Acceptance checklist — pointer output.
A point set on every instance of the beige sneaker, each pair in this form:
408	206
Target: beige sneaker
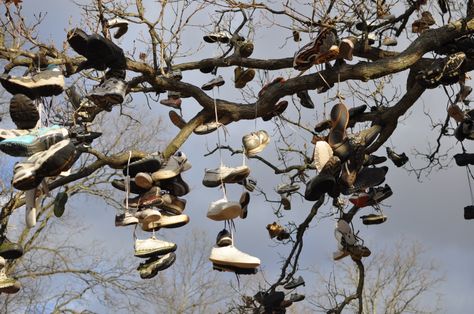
175	165
255	142
224	210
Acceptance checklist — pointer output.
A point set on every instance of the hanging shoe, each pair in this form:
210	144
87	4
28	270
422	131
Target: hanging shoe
280	107
296	36
274	229
150	163
244	202
150	198
372	160
427	18
172	102
233	269
119	23
134	188
231	256
215	82
221	37
8	285
30	208
287	188
176	119
277	81
469	212
286	201
176	186
246	49
23	112
110	92
294	283
10	250
321	154
398	159
255	142
339	121
166	221
242	77
320	50
172	167
389	41
360	200
379	194
125	219
366	178
224	238
346	48
305	99
324	181
152	247
172	204
373	219
60	204
223	209
152	266
215	177
464	159
43	84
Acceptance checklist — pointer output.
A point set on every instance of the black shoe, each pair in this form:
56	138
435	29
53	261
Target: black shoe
110	92
398	159
148	164
378	194
468	212
134	188
295	297
60	203
233	269
10	250
324	181
224	238
176	186
305	99
23	112
294	283
464	159
371	160
273	300
366	178
373	219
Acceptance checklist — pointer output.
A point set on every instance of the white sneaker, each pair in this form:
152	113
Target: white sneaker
223	174
255	142
224	210
175	165
153	246
322	153
231	256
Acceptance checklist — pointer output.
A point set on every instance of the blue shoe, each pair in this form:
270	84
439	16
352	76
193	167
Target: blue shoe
36	141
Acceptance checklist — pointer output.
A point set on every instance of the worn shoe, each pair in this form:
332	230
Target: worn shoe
233	269
110	92
442	69
152	246
231	256
119	23
149	215
152	266
305	99
150	163
134	188
389	41
221	37
215	82
176	119
255	142
464	159
8	285
176	186
23	112
223	209
172	102
372	160
244	202
172	204
242	77
360	200
339	121
150	198
286	201
324	181
10	250
398	159
224	238
43	84
294	283
143	180
172	167
366	178
378	194
6	134
358	251
276	81
339	254
321	154
367	137
125	219
215	177
166	221
295	297
34	142
469	212
320	50
60	204
373	219
274	229
58	158
287	188
346	48
246	49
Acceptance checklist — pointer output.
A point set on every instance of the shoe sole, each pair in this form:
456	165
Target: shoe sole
55	161
144	181
232	264
233	177
155	252
16	149
340	119
54	87
168	222
258	149
160	265
237	270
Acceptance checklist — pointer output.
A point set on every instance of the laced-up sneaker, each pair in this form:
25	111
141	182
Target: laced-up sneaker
150	198
221	37
366	178
373	219
287	188
321	154
378	194
224	238
166	221
125	219
172	204
8	285
175	165
134	188
6	134
255	142
43	84
58	158
34	142
305	99
223	210
152	266
242	77
144	180
10	250
295	297
320	50
339	119
23	112
208	127
172	102
215	82
119	23
176	186
231	256
398	159
215	177
324	181
152	246
295	283
110	92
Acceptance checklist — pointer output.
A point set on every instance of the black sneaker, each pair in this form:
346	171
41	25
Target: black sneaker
10	250
324	181
371	160
366	178
23	112
224	238
152	266
60	203
398	159
43	84
295	283
148	164
110	92
469	212
464	159
305	99
135	189
176	186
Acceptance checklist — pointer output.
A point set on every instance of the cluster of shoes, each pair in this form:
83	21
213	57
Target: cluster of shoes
8	250
159	186
275	302
444	71
348	243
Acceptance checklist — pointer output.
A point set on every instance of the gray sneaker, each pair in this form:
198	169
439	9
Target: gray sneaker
110	92
152	266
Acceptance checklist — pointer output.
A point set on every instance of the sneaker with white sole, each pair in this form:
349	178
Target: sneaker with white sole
110	92
6	134
231	256
224	238
148	216
224	210
172	204
34	142
221	37
287	188
166	221
255	142
152	266
125	219
29	173
150	198
119	23
223	174
322	153
144	180
152	246
175	165
8	285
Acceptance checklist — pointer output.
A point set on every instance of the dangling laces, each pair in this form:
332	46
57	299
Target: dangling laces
127	182
219	143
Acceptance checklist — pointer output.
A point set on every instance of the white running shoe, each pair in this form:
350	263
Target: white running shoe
223	174
152	247
231	256
224	210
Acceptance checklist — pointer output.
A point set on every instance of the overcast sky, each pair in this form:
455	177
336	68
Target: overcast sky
430	212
